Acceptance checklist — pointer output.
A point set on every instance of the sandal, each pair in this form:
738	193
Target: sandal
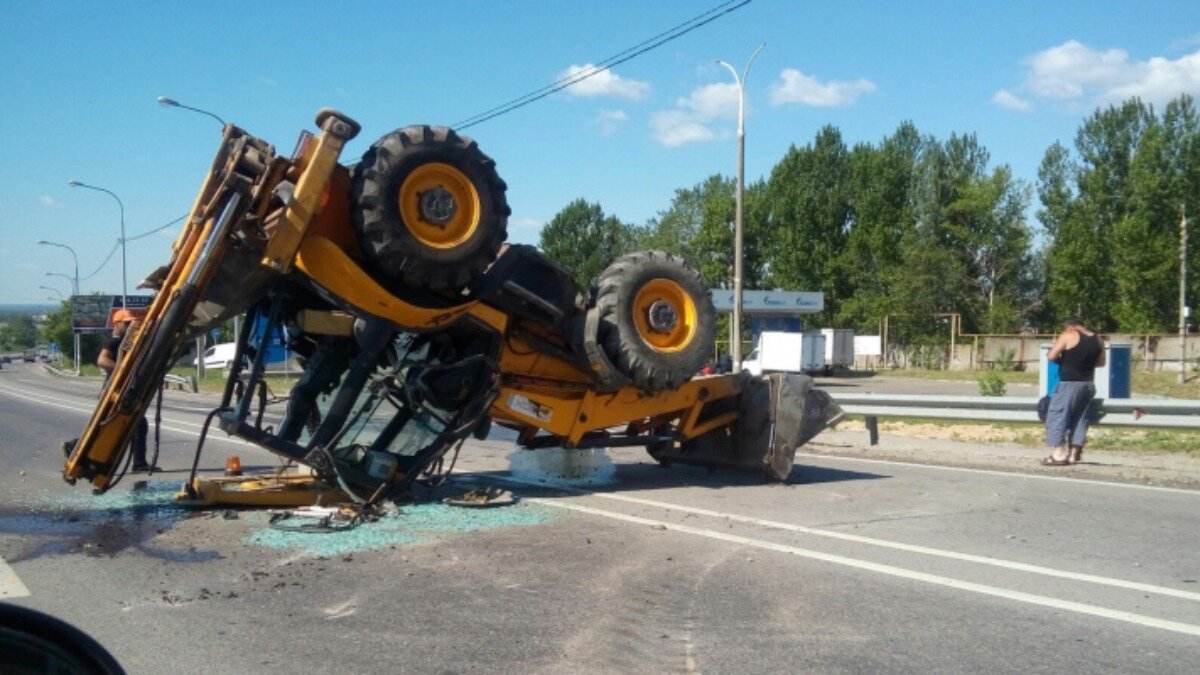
1076	455
1050	461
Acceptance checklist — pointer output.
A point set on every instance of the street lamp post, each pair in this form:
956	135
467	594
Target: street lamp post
172	103
75	286
60	274
124	280
75	282
736	346
1183	308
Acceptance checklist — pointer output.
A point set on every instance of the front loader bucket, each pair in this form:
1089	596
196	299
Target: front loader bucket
777	413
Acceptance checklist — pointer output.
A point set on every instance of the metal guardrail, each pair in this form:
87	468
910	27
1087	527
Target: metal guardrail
1150	413
187	382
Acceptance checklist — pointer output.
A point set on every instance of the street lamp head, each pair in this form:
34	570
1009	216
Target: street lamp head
74	183
43	242
172	103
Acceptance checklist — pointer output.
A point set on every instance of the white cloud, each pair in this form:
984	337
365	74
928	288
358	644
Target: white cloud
1075	73
524	230
1010	101
608	121
674	128
796	87
691	120
604	83
712	101
1185	44
48	201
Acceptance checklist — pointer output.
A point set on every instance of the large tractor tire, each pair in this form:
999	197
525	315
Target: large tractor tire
429	209
657	323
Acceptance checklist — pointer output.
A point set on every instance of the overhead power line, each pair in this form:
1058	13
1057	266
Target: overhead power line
106	259
160	228
606	64
117	245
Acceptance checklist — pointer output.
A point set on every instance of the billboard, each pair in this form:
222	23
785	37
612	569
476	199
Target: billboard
89	313
92	313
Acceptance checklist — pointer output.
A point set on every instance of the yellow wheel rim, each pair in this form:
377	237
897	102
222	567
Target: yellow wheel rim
439	205
665	315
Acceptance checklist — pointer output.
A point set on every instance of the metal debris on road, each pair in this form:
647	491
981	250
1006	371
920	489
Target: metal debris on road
482	497
321	519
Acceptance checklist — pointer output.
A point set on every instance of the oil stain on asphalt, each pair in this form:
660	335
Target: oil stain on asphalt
68	522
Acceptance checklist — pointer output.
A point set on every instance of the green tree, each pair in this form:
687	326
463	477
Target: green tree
19	332
57	328
699	227
970	226
584	240
879	183
675	229
1144	272
1112	215
808	215
987	221
1082	255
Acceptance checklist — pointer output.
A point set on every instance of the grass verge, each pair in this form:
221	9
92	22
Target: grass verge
1182	441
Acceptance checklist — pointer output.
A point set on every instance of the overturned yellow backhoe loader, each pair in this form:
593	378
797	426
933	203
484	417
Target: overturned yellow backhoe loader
418	326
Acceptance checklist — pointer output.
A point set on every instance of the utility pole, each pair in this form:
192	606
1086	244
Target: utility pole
1183	308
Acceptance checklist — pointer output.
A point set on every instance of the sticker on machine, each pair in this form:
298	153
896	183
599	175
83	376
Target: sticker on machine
520	404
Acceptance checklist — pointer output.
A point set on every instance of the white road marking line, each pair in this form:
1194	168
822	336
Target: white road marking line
1017	474
85	411
882	543
983	589
10	583
50	399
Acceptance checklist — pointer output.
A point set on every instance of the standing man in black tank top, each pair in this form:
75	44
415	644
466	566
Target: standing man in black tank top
1078	352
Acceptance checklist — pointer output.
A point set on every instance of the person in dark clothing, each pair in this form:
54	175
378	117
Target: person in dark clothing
1078	352
107	360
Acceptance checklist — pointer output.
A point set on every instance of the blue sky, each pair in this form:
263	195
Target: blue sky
78	83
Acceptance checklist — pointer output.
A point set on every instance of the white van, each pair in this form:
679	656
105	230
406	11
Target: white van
783	352
218	356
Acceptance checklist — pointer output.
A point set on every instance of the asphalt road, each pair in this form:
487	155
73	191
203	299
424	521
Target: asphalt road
621	566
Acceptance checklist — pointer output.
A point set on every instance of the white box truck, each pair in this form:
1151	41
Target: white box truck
782	352
839	349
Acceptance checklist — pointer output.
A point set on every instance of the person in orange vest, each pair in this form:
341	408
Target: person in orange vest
107	360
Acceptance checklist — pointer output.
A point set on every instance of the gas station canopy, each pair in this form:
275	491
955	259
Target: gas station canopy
770	303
